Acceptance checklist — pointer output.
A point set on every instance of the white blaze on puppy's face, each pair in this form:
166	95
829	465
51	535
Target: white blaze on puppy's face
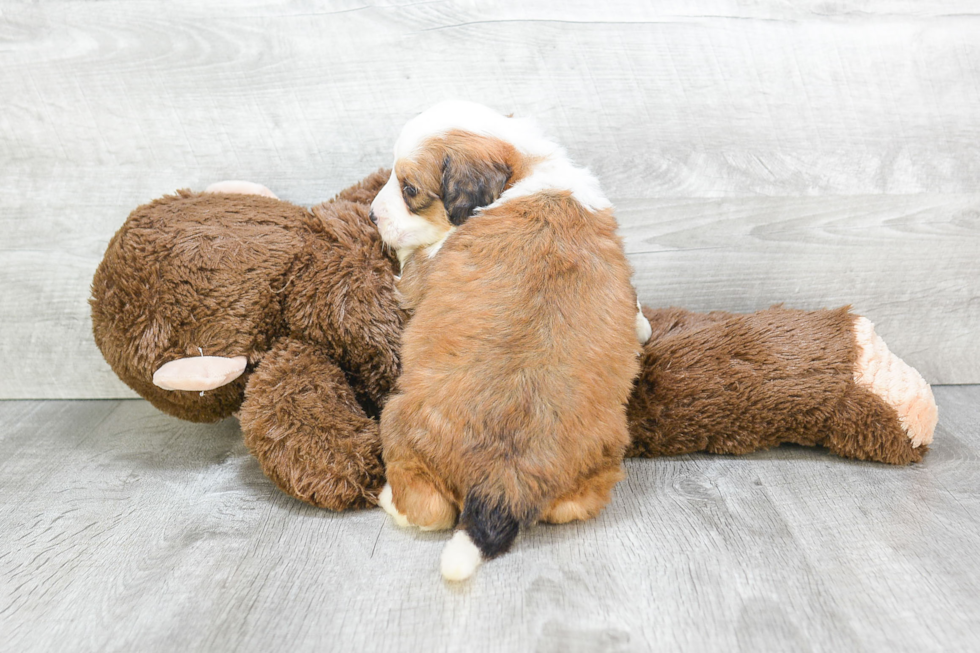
401	228
450	161
461	155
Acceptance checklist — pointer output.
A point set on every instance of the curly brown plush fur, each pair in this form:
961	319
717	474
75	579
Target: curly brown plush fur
308	296
732	383
303	422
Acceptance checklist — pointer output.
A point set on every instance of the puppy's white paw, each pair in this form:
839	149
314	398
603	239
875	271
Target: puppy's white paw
386	502
643	328
899	384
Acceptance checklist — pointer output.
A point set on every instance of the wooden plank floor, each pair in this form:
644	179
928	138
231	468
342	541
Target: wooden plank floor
123	529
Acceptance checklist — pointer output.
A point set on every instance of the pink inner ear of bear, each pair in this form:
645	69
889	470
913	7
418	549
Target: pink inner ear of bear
237	187
199	372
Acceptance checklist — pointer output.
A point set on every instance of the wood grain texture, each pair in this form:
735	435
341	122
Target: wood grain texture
107	105
909	263
128	530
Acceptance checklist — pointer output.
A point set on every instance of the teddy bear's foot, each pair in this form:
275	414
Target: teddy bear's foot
236	187
896	383
887	413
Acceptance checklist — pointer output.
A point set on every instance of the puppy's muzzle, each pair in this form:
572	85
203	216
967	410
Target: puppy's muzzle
373	217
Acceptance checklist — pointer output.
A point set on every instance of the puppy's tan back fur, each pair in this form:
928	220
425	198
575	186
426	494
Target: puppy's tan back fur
517	366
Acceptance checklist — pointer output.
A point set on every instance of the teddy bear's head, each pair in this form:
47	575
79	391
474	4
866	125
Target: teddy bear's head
195	274
225	275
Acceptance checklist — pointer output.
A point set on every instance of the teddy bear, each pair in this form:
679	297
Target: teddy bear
231	301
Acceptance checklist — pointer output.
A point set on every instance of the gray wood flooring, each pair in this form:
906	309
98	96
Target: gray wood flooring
122	529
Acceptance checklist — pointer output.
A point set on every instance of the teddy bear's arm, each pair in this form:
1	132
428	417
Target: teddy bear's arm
301	419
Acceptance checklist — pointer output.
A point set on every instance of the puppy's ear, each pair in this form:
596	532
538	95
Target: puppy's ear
468	184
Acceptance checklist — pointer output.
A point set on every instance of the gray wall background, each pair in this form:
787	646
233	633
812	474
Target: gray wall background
812	153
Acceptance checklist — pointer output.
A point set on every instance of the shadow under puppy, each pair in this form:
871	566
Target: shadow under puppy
520	354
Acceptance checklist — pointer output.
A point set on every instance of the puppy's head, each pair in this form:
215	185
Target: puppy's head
449	161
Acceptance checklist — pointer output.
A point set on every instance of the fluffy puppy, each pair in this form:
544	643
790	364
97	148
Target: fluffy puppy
520	355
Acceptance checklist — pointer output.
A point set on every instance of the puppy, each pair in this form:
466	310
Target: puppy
521	352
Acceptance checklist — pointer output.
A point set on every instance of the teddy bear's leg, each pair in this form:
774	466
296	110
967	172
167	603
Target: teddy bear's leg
889	414
735	383
302	421
588	499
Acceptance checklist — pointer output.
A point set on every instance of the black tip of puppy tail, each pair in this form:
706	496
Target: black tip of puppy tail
487	529
491	525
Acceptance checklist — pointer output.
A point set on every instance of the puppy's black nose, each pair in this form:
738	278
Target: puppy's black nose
373	217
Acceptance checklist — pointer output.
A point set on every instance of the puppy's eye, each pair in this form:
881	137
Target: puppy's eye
411	191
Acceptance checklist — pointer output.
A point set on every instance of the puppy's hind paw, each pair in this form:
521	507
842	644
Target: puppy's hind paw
386	501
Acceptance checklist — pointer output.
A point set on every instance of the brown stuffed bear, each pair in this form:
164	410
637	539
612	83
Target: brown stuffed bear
210	303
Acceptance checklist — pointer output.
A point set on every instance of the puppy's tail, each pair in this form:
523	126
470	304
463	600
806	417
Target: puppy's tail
487	528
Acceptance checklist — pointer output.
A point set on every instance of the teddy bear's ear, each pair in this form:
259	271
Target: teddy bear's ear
199	372
237	187
469	183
